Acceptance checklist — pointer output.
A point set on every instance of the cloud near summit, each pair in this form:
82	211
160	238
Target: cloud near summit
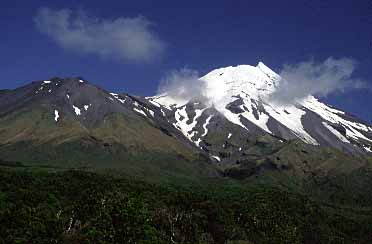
183	83
123	39
298	81
315	78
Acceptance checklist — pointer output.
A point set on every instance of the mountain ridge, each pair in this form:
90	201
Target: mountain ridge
242	93
235	134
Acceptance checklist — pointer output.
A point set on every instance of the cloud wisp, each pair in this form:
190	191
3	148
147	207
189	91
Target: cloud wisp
297	82
124	39
315	78
183	84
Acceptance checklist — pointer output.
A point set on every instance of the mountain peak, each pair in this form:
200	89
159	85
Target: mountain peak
241	94
255	81
58	80
235	94
269	72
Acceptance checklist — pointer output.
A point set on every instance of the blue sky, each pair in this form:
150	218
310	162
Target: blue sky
199	35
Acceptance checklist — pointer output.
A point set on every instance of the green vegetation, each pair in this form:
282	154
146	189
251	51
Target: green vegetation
67	182
83	207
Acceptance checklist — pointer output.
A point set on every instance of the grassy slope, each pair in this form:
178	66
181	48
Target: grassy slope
122	147
125	145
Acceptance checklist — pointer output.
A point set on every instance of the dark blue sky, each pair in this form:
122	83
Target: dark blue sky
200	35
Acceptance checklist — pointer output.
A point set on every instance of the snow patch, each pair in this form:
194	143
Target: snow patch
150	111
181	124
336	132
330	115
117	97
261	119
217	158
163	113
197	143
206	124
168	102
154	103
87	106
77	110
47	82
56	115
290	116
139	111
229	136
233	118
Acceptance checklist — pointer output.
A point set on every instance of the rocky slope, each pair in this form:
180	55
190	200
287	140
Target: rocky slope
236	125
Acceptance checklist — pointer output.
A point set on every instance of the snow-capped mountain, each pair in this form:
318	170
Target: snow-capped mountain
241	96
234	123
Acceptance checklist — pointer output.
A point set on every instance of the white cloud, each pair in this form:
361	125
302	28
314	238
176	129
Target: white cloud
184	84
298	81
315	78
124	39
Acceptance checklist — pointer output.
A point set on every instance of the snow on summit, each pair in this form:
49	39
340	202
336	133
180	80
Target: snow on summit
242	95
226	82
237	99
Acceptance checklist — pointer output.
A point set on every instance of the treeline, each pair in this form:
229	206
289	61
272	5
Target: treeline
82	207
